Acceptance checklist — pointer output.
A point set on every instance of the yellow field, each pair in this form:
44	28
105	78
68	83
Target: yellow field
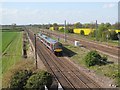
60	28
117	31
86	30
51	28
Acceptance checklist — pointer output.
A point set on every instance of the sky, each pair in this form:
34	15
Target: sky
57	12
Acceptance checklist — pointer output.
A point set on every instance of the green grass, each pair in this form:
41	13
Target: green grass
110	70
25	64
7	38
14	52
0	41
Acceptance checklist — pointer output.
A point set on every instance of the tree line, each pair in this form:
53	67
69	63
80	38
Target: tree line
102	32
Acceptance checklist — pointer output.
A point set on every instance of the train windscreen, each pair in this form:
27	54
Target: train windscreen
57	45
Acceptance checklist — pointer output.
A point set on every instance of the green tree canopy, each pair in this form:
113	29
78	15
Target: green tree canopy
78	25
55	26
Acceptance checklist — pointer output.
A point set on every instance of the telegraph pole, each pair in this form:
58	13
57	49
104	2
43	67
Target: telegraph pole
35	52
65	31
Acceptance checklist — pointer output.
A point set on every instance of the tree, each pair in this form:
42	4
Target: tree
92	34
105	35
38	80
20	78
116	25
89	25
55	26
108	25
78	25
94	58
113	35
70	30
100	30
82	32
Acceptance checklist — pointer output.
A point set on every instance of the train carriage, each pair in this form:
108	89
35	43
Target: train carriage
53	45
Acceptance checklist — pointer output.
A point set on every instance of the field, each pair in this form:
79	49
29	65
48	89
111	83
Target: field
87	31
7	38
11	49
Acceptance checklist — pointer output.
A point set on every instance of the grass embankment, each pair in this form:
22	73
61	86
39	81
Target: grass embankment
77	54
20	65
109	70
14	52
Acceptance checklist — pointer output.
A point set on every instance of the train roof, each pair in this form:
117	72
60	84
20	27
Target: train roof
48	39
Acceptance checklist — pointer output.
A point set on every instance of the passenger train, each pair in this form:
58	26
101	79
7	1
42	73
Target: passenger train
53	45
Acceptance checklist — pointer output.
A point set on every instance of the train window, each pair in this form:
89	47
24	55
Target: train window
57	45
48	44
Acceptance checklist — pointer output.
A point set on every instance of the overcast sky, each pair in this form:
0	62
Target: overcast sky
51	12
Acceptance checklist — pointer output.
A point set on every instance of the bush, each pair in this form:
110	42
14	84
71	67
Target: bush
92	34
113	35
70	30
82	32
38	80
61	29
19	79
117	82
105	36
93	58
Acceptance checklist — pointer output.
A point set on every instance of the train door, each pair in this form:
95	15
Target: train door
52	47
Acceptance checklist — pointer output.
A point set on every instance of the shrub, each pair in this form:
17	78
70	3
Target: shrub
19	79
82	32
117	82
38	80
113	35
93	58
92	34
70	30
105	35
61	29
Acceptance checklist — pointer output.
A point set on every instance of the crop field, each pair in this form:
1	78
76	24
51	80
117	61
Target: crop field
11	49
7	38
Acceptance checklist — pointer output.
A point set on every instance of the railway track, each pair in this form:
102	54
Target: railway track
67	74
112	51
51	67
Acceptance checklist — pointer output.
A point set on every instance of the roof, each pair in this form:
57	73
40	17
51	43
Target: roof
48	39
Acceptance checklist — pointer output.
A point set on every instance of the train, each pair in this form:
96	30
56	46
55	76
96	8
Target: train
53	45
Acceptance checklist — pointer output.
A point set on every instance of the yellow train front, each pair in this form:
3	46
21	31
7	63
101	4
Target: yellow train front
58	49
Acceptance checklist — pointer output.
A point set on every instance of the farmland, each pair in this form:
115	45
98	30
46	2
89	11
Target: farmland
11	49
7	38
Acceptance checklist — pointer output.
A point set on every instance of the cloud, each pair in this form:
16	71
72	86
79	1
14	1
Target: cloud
29	15
110	5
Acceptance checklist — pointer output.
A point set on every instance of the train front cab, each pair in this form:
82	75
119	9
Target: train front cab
58	51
